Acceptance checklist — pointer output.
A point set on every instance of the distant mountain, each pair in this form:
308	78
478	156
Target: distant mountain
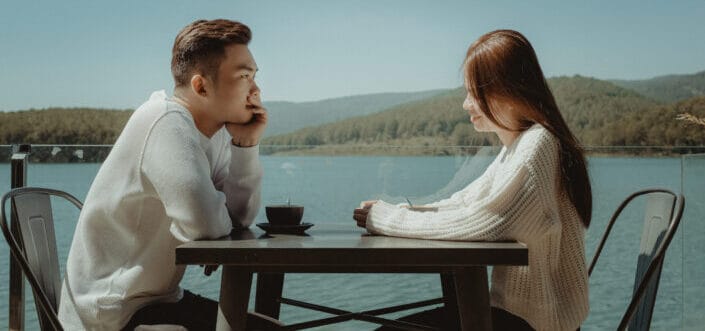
432	117
287	117
599	113
669	88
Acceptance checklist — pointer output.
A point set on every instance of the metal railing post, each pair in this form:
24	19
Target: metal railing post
20	157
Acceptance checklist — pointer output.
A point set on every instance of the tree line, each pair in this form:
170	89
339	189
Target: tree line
600	113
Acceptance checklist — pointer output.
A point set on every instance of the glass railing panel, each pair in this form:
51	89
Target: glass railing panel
693	244
5	154
331	181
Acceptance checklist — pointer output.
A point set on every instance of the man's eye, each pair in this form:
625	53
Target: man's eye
245	76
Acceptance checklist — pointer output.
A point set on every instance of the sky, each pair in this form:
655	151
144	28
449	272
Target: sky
114	54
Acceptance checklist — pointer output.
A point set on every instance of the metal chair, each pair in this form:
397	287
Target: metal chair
664	210
32	242
35	246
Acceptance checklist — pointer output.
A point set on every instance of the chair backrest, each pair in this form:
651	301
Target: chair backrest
35	249
663	213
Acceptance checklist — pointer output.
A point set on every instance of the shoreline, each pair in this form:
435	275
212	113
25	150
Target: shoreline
98	153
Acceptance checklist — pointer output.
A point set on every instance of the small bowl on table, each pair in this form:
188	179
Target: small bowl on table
284	215
284	219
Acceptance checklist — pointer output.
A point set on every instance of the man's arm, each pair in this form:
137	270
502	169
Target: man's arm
175	165
242	186
240	178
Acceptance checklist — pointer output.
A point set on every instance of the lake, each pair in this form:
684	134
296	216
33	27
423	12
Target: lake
331	187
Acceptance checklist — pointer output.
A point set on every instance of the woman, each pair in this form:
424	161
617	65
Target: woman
536	191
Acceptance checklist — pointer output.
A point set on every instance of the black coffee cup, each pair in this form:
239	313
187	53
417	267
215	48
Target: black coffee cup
284	214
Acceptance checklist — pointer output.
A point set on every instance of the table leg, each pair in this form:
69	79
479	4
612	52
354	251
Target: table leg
269	293
450	300
234	297
472	290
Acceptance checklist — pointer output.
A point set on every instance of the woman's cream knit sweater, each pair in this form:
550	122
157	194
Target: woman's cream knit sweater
517	198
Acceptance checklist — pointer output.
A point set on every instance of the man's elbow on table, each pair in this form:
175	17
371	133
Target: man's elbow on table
185	231
244	211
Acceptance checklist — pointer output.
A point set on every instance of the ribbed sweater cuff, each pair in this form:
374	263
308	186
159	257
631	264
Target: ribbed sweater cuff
244	159
382	217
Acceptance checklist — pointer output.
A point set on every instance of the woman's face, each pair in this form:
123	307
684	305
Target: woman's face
477	117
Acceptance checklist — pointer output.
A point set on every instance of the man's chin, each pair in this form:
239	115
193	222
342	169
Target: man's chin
241	121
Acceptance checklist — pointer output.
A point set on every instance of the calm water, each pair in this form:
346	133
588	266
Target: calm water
331	187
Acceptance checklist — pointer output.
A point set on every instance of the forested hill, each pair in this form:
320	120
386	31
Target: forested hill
589	105
287	117
102	126
62	126
600	113
656	127
670	88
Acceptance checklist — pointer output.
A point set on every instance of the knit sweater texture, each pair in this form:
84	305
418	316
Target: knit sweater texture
163	184
516	198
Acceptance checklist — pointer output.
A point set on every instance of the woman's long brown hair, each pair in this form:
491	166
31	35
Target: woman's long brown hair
501	67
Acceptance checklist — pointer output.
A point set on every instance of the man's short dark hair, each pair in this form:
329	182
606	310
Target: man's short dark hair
200	47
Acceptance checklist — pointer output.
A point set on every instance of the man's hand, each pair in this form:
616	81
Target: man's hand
248	134
360	214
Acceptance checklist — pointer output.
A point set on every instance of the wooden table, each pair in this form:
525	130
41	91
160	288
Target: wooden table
347	249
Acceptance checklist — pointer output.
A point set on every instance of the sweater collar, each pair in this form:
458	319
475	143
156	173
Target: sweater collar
508	151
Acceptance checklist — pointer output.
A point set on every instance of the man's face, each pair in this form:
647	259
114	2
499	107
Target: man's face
235	92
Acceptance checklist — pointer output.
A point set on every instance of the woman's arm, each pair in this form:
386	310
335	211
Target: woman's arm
458	199
488	218
521	195
471	191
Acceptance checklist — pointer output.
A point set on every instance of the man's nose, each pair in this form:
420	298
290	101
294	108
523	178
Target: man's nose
255	90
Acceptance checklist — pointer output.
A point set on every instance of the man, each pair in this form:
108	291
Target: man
184	168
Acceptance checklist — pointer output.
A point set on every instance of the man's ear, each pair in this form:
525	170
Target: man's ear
198	85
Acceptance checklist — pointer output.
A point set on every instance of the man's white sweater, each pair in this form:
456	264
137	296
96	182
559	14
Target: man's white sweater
164	183
517	198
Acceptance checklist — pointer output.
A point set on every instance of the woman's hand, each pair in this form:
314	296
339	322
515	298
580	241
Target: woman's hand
360	214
